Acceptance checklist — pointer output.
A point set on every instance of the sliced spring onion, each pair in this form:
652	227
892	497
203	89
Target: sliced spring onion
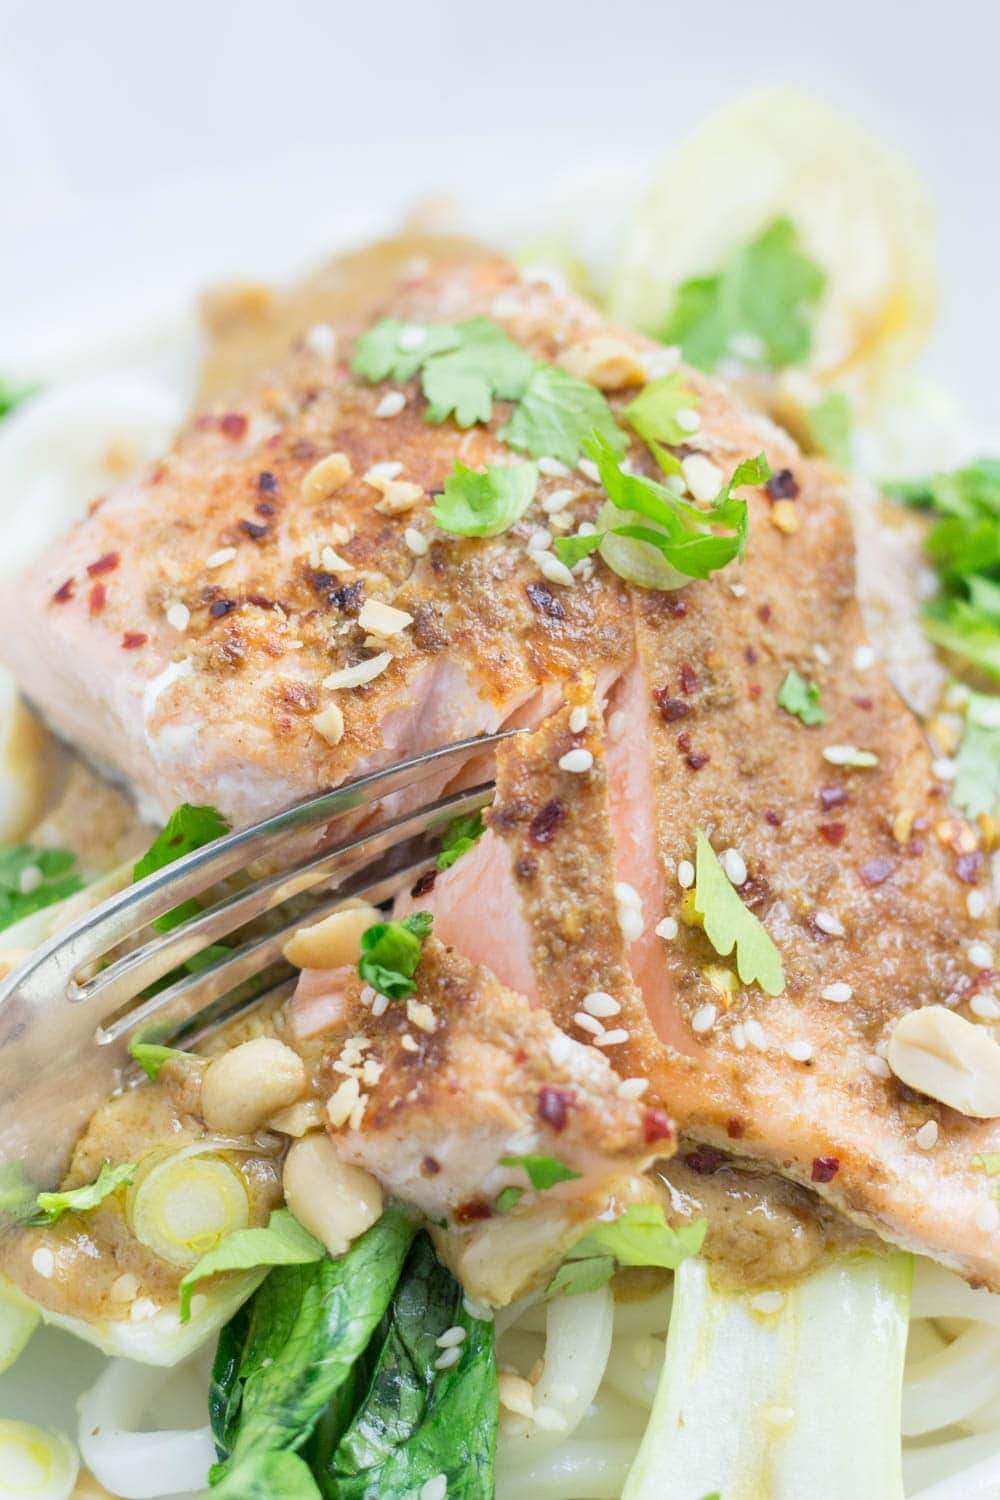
181	1205
19	1317
35	1463
634	560
786	1394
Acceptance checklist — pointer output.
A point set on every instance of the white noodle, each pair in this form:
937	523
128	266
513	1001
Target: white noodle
576	1468
139	1465
952	1384
634	1366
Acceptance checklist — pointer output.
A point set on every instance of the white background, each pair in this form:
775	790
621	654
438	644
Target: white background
145	147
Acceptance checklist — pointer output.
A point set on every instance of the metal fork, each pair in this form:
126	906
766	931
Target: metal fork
64	1037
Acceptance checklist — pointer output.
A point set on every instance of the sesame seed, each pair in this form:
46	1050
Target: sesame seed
685	874
611	1038
617	724
687	419
219	558
985	1007
578	719
767	1302
864	658
449	1357
178	616
588	1023
981	955
389	468
451	1337
29	879
704	1018
391	404
539	540
756	1035
822	655
660	362
704	478
944	768
577	761
975	902
477	1310
380	1005
434	1489
828	923
739	1036
598	1003
550	1420
321	340
552	467
738	590
631	923
734	865
799	1050
415	541
143	1308
838	992
411	338
551	568
667	928
588	468
632	1088
43	1262
409	1043
927	1135
627	895
558	500
987	1216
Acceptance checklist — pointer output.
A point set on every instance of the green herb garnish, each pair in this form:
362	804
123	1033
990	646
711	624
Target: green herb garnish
283	1242
484	504
798	696
976	788
556	415
543	1171
50	1207
33	878
459	837
729	924
640	1237
390	953
151	1056
11	396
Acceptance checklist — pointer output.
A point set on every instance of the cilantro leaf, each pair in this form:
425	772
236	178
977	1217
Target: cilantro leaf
830	427
464	366
641	1236
188	828
283	1242
798	696
543	1171
653	414
390	953
485	504
11	396
50	1207
151	1056
976	788
729	924
573	549
557	414
460	835
393	350
32	878
758	306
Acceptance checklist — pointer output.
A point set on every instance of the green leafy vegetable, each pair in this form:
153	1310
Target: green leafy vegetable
641	1236
289	1351
390	953
830	427
977	766
459	837
32	878
798	696
151	1056
188	828
757	307
50	1207
269	1476
418	1419
11	396
653	413
543	1171
557	414
464	366
729	924
508	1198
485	504
283	1242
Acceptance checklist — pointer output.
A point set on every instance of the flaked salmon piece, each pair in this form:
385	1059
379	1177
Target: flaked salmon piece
432	1093
182	634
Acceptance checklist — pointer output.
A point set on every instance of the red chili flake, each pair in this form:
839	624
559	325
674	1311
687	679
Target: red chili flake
254	529
64	591
472	1210
220	607
542	828
688	679
261	601
234	425
831	797
545	602
133	639
764	613
684	743
915	848
698	759
753	691
267	484
704	1161
968	867
554	1105
735	1129
782	485
877	871
866	704
749	656
834	833
430	1166
656	1126
265	508
520	1057
424	884
98	598
526	867
677	607
772	816
106	563
824	1168
672	709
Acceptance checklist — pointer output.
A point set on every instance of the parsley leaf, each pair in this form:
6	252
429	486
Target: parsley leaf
977	766
151	1056
390	953
187	829
798	696
729	924
283	1242
484	504
758	306
830	427
557	414
32	878
460	835
50	1207
464	366
543	1171
640	1237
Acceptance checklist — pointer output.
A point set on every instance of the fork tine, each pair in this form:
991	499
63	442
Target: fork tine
134	972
